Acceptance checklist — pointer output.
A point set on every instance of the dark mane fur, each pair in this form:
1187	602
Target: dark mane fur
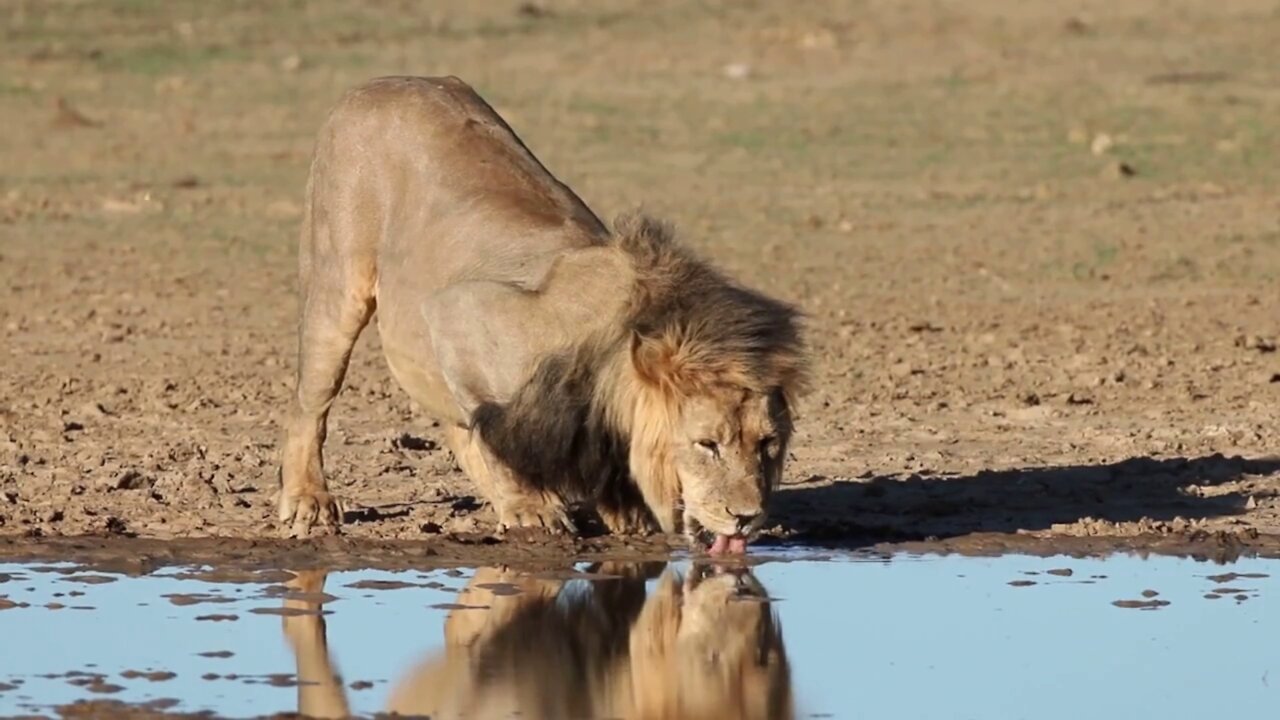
555	435
678	293
556	432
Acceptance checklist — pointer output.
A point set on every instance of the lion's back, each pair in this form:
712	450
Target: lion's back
437	141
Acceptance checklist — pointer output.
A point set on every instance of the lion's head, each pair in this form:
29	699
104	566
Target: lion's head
715	369
686	394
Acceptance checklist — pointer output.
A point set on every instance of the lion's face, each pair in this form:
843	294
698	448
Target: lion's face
729	446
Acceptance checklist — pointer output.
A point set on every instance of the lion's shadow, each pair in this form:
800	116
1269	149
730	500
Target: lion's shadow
919	507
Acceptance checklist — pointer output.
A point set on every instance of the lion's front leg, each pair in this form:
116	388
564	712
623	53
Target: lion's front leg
517	502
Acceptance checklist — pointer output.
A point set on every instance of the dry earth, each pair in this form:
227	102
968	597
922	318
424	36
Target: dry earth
1039	244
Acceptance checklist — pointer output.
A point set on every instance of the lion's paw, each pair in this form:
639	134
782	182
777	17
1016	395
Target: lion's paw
310	512
628	521
547	512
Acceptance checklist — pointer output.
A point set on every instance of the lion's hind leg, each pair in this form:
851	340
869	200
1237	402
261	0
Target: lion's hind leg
517	502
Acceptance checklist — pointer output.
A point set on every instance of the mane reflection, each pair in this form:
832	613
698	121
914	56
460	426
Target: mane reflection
701	644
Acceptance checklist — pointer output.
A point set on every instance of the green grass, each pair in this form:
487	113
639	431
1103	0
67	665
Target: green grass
163	59
599	108
12	89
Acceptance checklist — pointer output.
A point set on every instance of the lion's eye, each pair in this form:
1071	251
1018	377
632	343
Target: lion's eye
710	446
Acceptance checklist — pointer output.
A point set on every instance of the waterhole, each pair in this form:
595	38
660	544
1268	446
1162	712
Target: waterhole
800	635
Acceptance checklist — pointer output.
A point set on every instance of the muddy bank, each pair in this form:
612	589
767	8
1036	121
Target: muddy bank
1206	506
231	557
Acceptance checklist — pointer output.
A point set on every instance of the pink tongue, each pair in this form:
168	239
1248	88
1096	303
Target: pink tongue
728	544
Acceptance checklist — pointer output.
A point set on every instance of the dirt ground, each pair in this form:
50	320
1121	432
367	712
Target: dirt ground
1038	243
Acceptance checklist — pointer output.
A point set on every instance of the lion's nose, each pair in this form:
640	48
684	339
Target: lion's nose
745	520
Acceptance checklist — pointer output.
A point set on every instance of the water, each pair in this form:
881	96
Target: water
849	637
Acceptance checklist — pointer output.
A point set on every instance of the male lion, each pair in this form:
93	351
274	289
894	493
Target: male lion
703	645
570	364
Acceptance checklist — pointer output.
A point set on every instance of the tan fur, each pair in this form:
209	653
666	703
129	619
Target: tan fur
694	648
572	364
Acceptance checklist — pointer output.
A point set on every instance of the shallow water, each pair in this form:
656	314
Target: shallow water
847	637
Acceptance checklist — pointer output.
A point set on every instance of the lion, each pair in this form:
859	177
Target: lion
573	366
703	644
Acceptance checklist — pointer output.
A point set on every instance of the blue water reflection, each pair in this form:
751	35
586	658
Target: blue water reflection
850	637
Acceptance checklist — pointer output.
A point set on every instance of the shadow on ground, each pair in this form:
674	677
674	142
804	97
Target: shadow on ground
1158	495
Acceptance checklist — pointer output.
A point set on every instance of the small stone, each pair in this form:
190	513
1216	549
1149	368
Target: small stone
903	370
93	409
1259	343
1119	170
133	480
533	11
1076	26
737	71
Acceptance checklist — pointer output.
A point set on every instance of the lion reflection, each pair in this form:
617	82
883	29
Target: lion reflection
702	644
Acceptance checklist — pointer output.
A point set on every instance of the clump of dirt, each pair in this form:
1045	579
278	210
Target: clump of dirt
149	675
1141	604
382	585
1233	576
185	599
92	682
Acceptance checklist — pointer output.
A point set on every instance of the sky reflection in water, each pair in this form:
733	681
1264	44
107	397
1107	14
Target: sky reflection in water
912	637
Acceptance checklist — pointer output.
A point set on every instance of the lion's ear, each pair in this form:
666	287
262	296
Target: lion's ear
656	360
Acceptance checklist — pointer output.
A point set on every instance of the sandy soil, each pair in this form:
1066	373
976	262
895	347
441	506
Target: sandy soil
1038	242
